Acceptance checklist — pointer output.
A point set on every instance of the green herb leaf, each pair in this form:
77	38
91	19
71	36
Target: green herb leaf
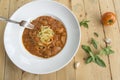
84	23
88	50
92	55
99	61
96	34
88	60
94	43
106	51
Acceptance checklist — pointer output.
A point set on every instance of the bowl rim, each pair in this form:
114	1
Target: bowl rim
66	29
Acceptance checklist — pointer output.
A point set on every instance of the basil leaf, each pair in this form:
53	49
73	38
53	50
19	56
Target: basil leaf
88	60
86	48
94	43
96	34
111	51
92	55
99	61
84	23
106	51
102	52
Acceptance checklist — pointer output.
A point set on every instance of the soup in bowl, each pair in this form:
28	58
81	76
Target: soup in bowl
47	38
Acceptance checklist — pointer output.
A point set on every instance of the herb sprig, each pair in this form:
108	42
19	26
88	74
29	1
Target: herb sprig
84	23
95	57
107	50
92	57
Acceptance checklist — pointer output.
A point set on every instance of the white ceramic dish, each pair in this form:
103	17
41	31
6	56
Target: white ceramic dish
13	37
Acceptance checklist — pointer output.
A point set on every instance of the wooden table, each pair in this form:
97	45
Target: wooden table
83	9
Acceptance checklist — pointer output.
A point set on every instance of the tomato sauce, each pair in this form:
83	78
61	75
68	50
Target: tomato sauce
33	43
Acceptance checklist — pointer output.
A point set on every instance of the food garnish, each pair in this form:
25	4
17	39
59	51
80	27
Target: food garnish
84	23
96	34
94	43
94	57
46	34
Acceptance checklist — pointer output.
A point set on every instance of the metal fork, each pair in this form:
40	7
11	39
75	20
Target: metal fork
22	23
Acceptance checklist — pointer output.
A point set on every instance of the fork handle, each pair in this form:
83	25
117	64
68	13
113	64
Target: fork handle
8	20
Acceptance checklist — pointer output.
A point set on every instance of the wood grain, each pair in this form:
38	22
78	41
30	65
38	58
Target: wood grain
29	76
93	15
83	9
79	11
117	11
112	33
11	71
67	73
4	8
51	76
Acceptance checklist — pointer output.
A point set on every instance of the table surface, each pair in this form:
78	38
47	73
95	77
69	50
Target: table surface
83	9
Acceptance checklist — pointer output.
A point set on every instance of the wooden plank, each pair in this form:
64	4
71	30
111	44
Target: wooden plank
67	3
4	8
95	26
84	10
113	33
15	4
51	76
67	73
70	71
61	74
28	76
117	10
11	71
78	9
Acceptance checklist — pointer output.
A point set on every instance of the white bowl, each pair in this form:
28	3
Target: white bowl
13	37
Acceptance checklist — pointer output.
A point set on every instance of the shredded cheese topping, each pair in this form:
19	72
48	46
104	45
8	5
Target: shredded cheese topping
46	34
